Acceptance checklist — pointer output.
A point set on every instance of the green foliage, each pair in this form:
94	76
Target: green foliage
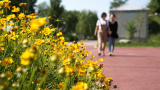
154	24
71	19
131	28
117	3
43	9
154	21
154	6
71	37
80	23
155	38
86	24
55	11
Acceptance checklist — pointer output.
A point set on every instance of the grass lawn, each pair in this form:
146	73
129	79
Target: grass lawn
138	44
153	41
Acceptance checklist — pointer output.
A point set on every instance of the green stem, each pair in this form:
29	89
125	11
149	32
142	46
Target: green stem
31	78
66	83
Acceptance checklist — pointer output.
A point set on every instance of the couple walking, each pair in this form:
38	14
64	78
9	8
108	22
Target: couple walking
106	31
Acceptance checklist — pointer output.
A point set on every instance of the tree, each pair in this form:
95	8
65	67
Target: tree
86	24
140	19
154	24
154	6
117	3
31	5
71	19
43	9
131	28
55	11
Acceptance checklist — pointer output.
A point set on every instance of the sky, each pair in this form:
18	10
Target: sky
98	6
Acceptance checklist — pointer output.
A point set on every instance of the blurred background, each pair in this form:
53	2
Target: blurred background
79	17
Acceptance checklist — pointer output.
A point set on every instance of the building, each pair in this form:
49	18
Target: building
127	13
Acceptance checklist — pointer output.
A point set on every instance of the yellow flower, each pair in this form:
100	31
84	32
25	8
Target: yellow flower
69	70
25	62
1	49
102	76
1	44
99	71
80	86
65	62
21	15
60	33
39	42
15	9
7	62
26	57
46	89
101	60
107	80
60	86
92	56
37	23
31	17
82	72
46	31
22	4
42	21
6	1
62	38
82	44
1	12
9	73
12	24
13	36
89	52
9	17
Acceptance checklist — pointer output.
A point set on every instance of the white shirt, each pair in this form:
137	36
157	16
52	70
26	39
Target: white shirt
102	22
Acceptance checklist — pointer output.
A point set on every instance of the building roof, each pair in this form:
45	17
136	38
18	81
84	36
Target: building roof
128	7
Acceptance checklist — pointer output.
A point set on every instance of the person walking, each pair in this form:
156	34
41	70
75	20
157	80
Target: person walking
101	31
113	25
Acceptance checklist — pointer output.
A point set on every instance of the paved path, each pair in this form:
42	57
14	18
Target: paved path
132	68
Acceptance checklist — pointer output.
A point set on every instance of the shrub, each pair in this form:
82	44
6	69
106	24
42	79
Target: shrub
71	38
131	28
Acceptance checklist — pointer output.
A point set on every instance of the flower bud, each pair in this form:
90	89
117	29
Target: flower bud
53	58
25	43
1	87
2	75
93	69
33	49
19	69
86	87
14	85
61	71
